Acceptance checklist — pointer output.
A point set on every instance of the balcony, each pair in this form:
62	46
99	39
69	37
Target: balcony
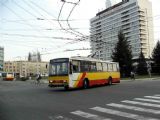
142	32
143	42
143	37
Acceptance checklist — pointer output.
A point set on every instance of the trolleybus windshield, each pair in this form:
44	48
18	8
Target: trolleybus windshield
58	68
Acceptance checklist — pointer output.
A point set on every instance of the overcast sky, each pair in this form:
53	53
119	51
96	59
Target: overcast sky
31	25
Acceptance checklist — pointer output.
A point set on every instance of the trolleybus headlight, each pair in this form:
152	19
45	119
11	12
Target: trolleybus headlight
50	81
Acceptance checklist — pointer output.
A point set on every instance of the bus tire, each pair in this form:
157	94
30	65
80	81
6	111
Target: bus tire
85	83
110	80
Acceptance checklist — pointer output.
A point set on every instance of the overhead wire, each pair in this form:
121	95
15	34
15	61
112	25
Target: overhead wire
69	17
60	22
79	39
72	32
77	35
44	29
30	13
27	11
21	44
55	19
69	20
20	17
42	9
38	18
35	36
40	13
30	25
37	12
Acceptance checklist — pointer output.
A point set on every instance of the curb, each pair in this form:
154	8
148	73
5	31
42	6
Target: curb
156	78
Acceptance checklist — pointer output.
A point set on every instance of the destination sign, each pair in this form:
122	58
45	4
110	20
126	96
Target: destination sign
59	60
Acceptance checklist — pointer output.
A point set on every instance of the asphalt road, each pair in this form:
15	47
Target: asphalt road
138	100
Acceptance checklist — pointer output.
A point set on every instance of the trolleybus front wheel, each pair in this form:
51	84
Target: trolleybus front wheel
110	81
85	83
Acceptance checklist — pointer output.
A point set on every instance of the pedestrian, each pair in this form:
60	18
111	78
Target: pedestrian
132	75
38	78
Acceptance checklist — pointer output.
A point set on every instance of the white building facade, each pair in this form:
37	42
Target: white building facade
134	18
26	68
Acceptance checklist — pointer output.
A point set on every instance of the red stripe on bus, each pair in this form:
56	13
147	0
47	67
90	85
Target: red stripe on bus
103	81
97	82
80	84
116	80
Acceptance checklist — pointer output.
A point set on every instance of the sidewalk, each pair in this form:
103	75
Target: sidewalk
152	78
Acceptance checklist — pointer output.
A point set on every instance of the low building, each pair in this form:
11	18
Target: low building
25	68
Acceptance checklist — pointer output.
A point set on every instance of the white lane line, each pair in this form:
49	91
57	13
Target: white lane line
89	115
134	108
147	100
141	103
58	118
157	95
122	114
153	97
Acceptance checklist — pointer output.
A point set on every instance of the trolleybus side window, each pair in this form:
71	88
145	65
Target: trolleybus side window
110	68
93	67
99	66
84	65
76	66
105	67
114	67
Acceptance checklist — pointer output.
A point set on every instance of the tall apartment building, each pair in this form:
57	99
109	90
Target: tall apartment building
134	18
26	68
1	58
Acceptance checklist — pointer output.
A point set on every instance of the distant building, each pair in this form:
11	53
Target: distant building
25	68
34	57
134	18
1	58
108	3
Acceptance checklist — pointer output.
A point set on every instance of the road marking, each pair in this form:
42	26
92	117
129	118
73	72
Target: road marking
89	115
157	95
154	97
147	100
122	114
59	118
140	103
134	108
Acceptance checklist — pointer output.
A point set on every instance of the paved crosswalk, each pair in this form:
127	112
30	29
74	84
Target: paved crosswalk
129	107
144	108
89	115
